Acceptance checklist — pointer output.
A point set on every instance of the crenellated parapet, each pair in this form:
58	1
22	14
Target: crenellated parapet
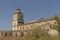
14	33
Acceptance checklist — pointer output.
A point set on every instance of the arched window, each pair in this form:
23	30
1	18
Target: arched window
23	27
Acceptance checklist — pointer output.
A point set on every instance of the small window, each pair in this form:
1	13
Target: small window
47	29
1	33
50	26
27	27
23	27
54	22
31	26
20	27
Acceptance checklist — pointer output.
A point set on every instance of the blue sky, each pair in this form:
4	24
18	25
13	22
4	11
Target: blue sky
32	10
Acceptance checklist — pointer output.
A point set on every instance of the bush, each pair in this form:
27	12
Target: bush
40	34
57	28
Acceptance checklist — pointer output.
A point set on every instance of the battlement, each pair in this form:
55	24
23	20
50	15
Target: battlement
9	33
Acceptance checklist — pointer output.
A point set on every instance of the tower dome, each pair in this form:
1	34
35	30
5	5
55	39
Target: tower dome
18	10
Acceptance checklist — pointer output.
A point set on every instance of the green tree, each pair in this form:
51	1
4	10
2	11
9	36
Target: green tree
57	28
57	19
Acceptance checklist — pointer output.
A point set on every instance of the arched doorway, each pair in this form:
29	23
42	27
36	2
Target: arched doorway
22	34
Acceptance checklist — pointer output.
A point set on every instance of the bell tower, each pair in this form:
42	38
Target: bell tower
17	19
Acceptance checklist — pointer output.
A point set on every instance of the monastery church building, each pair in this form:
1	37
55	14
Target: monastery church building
19	27
18	22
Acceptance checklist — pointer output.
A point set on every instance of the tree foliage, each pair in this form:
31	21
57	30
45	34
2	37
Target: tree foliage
40	34
57	19
57	28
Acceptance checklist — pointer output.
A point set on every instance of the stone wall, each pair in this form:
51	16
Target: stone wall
13	33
